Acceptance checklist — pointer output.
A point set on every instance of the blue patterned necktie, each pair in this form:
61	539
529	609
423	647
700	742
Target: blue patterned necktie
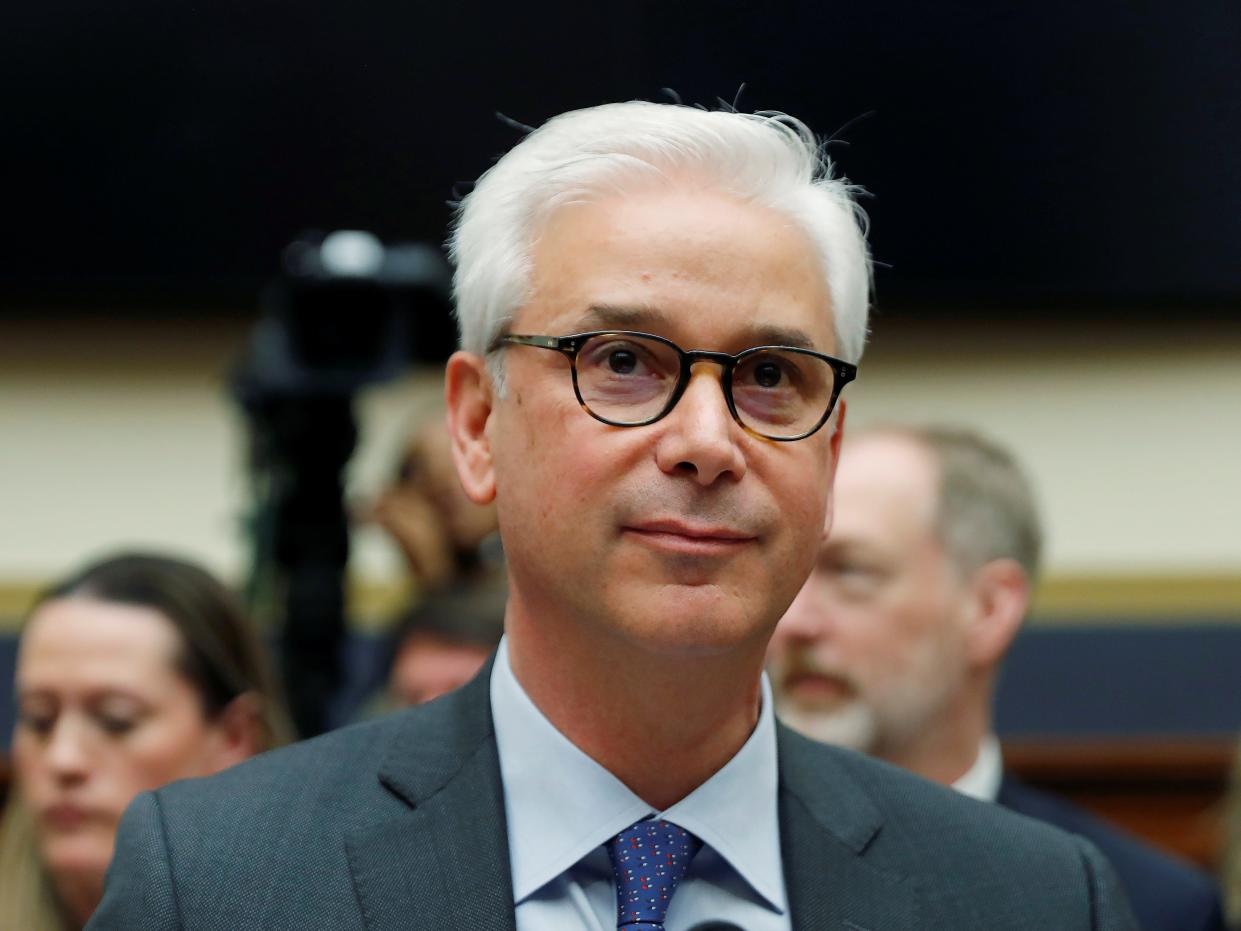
648	859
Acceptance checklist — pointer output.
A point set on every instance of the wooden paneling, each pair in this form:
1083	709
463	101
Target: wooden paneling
1169	791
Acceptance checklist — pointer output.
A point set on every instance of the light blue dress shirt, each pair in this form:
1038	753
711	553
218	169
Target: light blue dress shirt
563	807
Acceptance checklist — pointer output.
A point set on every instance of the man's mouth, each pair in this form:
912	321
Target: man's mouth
690	539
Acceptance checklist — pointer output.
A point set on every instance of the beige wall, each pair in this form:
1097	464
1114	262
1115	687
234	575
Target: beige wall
123	433
1132	432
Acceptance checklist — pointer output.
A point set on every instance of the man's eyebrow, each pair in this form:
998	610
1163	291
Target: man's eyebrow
784	336
625	317
647	316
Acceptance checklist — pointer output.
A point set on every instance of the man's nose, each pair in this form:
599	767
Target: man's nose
702	438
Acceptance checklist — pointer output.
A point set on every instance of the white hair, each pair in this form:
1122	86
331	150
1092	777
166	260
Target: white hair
770	159
986	507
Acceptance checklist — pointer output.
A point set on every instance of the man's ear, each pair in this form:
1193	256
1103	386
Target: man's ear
1001	595
470	398
837	426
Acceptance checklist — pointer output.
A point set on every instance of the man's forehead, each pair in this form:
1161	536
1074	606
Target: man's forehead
700	268
885	483
889	456
651	318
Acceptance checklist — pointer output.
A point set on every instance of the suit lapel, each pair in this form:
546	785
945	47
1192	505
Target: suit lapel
827	822
434	851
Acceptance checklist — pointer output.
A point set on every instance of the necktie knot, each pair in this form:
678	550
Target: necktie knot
649	859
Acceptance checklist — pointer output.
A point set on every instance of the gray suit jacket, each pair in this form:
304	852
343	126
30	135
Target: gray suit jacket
399	824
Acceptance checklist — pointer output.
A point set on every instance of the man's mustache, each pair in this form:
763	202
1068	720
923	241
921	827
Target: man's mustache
802	664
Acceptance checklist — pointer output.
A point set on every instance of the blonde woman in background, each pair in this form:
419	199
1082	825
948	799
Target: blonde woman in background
134	672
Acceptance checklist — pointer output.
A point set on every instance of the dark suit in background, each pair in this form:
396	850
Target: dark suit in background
1166	895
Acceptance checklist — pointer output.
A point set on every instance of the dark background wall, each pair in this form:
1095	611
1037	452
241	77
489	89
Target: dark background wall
1037	154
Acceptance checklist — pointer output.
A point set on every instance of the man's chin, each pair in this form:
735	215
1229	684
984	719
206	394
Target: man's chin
690	636
710	614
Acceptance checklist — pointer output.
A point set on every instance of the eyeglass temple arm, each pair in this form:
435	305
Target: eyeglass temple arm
543	342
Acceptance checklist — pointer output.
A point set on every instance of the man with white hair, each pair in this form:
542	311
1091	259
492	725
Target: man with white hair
894	644
659	307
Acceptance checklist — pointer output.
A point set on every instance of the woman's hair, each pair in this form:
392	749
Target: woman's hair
27	900
219	654
768	159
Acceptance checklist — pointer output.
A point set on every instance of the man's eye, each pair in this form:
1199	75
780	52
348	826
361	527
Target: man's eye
771	370
619	357
768	375
622	361
854	576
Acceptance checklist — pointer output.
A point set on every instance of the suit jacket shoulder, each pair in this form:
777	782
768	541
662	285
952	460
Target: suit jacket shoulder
393	823
927	856
1167	895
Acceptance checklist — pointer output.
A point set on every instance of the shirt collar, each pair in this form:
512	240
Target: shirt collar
982	780
561	804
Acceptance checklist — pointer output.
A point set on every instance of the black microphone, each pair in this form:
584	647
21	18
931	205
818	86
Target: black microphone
717	926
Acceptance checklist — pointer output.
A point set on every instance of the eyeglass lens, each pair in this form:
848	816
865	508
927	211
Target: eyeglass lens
630	379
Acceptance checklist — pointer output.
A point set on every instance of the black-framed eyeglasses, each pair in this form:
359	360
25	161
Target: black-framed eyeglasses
630	379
